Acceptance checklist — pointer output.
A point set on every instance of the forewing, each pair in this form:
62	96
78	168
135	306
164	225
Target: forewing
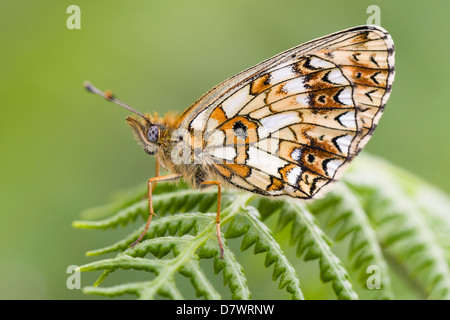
290	125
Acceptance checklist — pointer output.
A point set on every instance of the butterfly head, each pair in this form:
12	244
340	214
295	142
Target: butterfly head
147	132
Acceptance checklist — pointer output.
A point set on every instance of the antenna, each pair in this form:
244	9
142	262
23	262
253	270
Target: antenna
108	95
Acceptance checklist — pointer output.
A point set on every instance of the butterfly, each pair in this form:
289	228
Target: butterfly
288	126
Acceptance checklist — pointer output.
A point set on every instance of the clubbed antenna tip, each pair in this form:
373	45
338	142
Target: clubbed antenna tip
108	95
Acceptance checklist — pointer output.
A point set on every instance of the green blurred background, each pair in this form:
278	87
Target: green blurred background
63	150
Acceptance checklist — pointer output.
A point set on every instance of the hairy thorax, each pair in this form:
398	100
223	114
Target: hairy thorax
182	153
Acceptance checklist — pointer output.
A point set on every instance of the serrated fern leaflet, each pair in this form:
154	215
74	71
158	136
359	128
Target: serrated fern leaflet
381	211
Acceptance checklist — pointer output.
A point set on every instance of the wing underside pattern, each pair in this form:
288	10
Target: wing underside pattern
291	128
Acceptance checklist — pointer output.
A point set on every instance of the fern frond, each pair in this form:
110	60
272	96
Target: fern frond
383	211
256	233
314	244
345	213
402	228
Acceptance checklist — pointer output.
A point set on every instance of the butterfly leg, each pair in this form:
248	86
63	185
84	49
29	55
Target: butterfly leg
157	172
219	198
151	182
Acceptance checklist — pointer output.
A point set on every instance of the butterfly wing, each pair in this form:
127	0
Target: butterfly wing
291	124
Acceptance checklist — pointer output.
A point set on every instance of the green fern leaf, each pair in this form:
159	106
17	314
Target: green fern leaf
402	228
256	233
382	211
345	212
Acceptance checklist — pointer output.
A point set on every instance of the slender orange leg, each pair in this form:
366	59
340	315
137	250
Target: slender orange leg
219	198
157	171
151	182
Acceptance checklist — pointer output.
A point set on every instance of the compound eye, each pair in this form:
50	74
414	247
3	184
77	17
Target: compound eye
153	134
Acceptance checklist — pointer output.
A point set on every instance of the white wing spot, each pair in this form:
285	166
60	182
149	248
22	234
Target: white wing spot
303	100
344	143
348	119
294	86
236	101
345	96
320	63
265	162
332	166
277	121
293	175
281	75
226	153
337	77
296	154
199	120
